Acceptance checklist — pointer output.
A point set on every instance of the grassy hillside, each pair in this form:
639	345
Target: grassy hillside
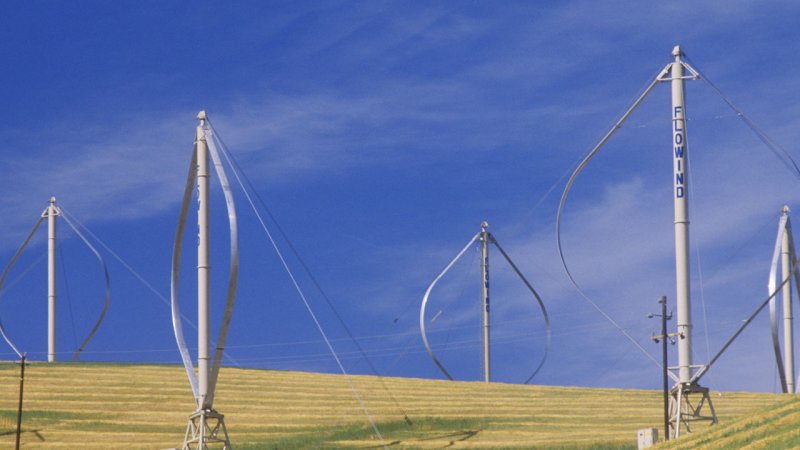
773	428
100	406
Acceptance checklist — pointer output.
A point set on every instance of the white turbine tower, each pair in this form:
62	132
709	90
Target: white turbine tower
51	213
682	409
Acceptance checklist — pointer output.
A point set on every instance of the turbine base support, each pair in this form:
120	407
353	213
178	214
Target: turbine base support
686	406
205	430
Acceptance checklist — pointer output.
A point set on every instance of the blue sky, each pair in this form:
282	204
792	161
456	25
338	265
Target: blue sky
381	134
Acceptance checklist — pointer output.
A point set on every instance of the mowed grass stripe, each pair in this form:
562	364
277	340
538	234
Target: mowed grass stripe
94	406
770	428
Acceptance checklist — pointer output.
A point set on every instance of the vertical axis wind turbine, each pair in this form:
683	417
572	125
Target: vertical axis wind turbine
682	410
50	213
485	238
205	425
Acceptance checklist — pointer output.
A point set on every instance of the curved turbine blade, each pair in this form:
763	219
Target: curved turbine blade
175	277
5	274
563	201
538	300
425	303
773	320
107	282
233	274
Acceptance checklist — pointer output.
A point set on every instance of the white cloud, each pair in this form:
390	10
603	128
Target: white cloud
542	87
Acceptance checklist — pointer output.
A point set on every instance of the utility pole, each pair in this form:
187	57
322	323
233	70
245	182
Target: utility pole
19	406
663	337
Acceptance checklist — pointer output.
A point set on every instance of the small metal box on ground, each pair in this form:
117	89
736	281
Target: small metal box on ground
647	437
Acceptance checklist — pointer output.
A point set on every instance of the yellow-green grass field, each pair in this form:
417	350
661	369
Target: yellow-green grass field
103	406
775	428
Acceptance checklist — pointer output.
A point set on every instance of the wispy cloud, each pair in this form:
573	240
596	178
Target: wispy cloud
501	101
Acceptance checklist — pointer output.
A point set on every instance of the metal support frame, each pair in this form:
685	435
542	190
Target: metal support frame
684	408
206	428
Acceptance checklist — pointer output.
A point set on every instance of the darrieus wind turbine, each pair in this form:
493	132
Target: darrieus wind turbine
682	409
485	238
51	213
206	425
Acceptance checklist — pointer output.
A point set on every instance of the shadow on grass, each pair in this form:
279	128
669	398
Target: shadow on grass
13	432
461	435
396	434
